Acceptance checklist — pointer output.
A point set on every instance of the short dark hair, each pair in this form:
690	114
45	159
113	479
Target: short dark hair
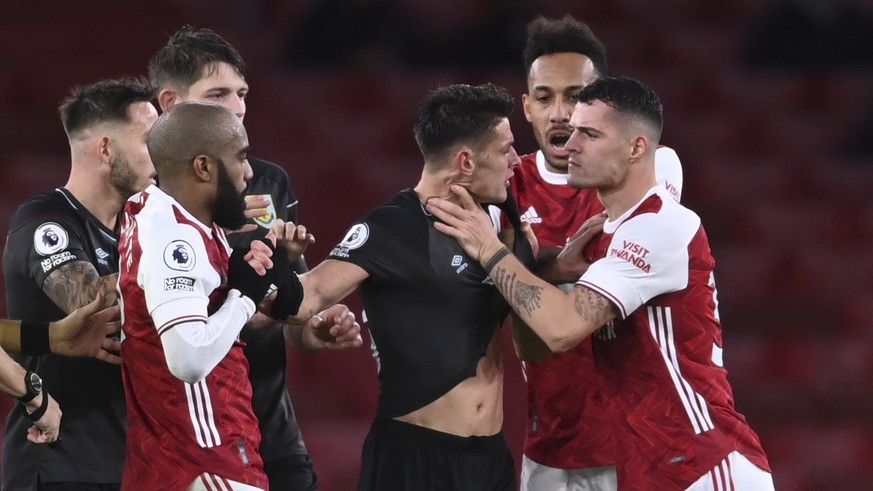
626	96
102	101
547	35
459	113
180	62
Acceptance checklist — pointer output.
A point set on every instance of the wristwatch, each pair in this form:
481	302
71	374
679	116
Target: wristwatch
32	386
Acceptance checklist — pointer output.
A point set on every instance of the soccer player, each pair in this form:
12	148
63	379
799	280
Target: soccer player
199	65
433	315
61	251
185	300
648	297
568	443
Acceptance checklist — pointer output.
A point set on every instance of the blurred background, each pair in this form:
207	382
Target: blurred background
769	104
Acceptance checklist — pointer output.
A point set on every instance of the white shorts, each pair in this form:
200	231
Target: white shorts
539	477
212	482
734	473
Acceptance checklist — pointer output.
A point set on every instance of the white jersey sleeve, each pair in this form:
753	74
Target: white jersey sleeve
668	171
175	274
647	257
177	278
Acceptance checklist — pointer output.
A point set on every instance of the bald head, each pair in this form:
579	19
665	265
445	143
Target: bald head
188	130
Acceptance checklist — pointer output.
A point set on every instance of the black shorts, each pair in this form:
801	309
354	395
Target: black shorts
400	456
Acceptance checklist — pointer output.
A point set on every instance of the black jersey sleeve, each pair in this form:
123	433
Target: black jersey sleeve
377	242
44	237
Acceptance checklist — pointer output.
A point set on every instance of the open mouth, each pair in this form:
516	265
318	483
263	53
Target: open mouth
557	140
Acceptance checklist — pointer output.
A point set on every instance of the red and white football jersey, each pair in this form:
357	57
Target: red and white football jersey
568	415
662	358
173	270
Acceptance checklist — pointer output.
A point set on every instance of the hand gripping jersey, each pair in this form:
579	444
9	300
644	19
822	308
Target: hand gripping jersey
568	414
174	269
662	358
47	232
431	310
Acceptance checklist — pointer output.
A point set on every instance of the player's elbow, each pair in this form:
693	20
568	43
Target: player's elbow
560	344
563	339
187	372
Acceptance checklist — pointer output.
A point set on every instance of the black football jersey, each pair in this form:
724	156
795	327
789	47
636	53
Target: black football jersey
430	309
45	233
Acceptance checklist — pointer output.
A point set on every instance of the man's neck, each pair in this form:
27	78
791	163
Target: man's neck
618	201
97	197
190	200
435	186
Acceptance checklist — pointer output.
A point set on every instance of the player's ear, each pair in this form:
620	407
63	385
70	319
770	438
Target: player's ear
639	146
204	168
463	161
167	99
525	104
103	149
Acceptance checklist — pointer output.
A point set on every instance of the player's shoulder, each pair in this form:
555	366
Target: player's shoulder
402	209
268	169
529	160
160	217
528	165
667	155
401	218
51	205
270	178
659	211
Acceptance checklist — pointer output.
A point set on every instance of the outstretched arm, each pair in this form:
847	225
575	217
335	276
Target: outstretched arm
560	319
323	287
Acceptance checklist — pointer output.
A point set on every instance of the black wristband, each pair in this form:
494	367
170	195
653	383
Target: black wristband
40	411
489	265
35	338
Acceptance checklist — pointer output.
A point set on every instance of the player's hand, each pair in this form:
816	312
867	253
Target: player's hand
576	243
256	206
334	328
47	428
570	263
84	332
259	255
467	223
528	232
507	238
294	238
247	270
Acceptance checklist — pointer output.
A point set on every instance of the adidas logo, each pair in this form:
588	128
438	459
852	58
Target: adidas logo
531	216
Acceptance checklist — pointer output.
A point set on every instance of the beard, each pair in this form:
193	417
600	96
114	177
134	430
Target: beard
228	210
122	177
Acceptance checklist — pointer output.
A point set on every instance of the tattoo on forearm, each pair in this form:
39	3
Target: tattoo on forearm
521	296
76	284
591	306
